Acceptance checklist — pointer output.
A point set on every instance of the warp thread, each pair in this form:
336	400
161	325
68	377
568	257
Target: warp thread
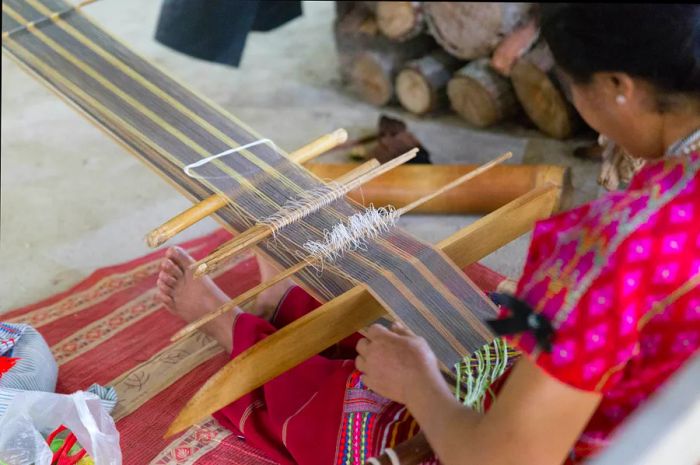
52	17
133	118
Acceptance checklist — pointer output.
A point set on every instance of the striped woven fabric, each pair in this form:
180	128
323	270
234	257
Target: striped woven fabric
35	368
171	128
9	335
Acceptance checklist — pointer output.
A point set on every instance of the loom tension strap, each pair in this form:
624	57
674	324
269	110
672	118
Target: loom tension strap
523	319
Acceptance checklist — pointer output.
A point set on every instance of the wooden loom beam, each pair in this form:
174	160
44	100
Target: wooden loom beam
353	310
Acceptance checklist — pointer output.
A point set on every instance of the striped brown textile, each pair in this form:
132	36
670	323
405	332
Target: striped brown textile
169	127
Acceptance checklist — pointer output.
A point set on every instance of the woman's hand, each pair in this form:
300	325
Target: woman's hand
395	361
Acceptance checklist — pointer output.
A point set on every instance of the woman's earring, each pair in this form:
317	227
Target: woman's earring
621	99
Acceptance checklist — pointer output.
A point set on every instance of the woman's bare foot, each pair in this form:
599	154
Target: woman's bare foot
190	298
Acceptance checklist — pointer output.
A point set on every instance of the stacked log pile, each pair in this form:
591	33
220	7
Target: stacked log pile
481	60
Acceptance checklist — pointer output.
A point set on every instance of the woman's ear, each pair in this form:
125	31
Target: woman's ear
622	87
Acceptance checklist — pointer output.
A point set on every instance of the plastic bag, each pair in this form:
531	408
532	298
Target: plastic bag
32	415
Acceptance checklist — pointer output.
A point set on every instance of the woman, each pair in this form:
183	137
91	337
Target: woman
618	281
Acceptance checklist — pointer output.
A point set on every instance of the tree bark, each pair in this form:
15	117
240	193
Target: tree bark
513	46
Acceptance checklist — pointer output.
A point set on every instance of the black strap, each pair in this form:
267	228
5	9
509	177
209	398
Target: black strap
523	319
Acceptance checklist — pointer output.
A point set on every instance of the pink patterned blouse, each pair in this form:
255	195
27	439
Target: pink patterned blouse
619	279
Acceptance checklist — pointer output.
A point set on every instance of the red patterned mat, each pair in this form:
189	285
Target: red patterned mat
109	329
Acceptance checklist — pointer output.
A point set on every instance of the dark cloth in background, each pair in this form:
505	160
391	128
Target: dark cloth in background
216	30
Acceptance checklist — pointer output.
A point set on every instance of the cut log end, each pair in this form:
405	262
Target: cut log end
481	96
542	100
399	20
414	92
472	102
420	86
371	77
470	30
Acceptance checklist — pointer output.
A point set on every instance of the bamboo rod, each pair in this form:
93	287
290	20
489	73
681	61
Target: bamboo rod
319	146
488	192
210	205
461	180
384	168
310	261
262	231
353	310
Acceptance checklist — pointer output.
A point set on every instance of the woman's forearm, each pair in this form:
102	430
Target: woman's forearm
448	425
535	419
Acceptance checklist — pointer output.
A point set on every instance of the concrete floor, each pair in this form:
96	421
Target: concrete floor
73	201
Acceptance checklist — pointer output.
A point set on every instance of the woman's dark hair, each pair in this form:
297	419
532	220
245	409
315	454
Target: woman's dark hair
657	42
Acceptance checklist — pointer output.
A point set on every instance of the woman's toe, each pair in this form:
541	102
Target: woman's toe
165	288
172	269
165	299
181	258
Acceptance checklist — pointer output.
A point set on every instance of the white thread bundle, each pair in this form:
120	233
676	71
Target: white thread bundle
187	169
354	235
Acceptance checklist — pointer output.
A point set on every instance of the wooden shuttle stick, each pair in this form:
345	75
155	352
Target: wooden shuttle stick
260	232
249	294
213	203
319	146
